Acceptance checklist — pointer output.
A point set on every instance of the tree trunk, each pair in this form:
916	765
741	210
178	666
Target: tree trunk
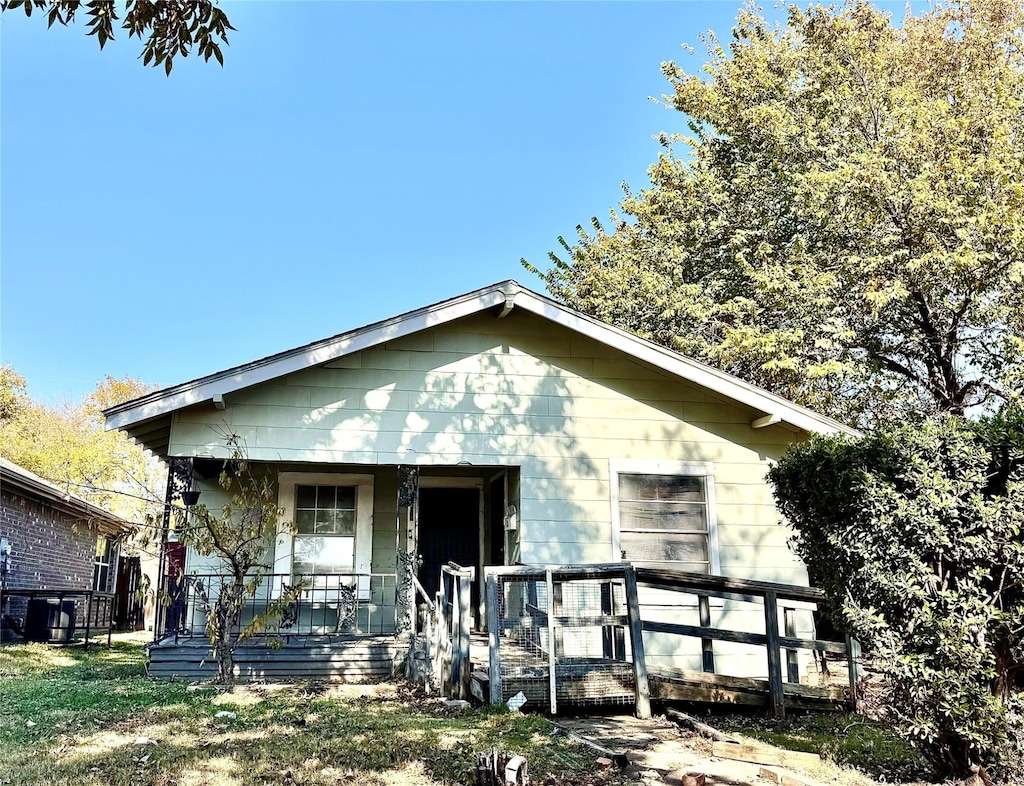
1004	684
225	663
228	613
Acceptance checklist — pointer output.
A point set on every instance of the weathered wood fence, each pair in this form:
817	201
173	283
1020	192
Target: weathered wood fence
673	683
559	633
453	622
574	635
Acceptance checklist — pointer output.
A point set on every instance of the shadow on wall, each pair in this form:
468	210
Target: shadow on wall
533	397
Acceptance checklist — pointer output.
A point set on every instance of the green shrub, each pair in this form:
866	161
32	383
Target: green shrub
914	534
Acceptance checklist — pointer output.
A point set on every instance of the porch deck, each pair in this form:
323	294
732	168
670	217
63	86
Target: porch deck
332	658
599	682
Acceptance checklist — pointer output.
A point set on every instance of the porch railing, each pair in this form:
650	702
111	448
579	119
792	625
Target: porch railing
325	604
58	616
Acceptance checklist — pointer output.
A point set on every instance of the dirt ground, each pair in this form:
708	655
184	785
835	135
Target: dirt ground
660	751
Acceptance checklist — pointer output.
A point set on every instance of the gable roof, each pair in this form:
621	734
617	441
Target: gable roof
147	418
18	480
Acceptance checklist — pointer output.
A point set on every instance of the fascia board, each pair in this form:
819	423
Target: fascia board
277	366
682	367
319	353
57	498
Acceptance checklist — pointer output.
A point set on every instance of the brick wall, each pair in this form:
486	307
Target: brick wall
49	548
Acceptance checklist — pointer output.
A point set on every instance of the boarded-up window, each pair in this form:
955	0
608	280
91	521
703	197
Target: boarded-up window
663	521
325	529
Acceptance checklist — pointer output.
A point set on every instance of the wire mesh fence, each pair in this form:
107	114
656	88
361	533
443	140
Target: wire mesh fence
562	638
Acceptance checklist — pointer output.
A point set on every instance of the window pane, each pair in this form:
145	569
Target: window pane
304	521
345	522
657	547
305	496
325	522
346	499
682	516
325	496
323	555
670	488
302	563
338	555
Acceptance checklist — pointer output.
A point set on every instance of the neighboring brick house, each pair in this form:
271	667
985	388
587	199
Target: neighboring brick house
53	540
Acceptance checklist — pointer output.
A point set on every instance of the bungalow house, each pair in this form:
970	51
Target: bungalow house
59	560
495	428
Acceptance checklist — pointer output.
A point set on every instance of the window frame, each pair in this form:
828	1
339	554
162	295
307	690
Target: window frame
690	469
101	567
284	547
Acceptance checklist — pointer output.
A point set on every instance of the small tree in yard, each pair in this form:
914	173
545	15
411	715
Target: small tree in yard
915	536
239	534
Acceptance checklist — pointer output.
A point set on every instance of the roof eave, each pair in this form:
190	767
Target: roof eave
205	388
506	293
26	482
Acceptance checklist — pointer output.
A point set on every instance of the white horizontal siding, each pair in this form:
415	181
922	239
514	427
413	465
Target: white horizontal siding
516	391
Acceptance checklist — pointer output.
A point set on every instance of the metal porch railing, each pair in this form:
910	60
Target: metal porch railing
326	604
61	615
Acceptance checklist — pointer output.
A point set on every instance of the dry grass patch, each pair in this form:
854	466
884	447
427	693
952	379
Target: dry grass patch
95	719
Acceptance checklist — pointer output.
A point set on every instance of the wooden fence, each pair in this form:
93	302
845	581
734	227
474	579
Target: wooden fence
559	634
453	621
61	615
553	632
768	595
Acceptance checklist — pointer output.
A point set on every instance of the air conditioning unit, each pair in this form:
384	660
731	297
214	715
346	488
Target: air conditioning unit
50	620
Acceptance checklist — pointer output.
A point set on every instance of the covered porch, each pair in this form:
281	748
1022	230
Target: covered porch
355	544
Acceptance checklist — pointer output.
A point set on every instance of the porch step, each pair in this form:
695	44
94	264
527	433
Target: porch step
355	660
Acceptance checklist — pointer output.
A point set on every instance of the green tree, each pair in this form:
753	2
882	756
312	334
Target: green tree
68	445
170	28
915	536
844	222
240	533
13	394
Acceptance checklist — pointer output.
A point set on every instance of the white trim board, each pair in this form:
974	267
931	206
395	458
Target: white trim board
701	469
284	542
506	294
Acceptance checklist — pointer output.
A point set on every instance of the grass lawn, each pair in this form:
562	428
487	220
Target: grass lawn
844	738
73	717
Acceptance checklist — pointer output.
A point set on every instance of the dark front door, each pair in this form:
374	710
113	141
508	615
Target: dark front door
449	531
128	609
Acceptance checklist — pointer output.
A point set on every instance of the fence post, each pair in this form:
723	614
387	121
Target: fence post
465	625
552	679
853	667
792	660
771	623
88	618
439	654
444	638
636	636
493	640
454	624
706	645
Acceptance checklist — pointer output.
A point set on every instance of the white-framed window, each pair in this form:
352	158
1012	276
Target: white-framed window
663	514
101	563
332	518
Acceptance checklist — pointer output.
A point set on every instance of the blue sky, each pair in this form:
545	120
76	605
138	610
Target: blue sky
351	161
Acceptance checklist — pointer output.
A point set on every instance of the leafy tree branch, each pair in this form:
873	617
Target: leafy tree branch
168	28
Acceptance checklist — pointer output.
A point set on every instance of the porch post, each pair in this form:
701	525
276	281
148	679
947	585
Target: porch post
408	556
179	479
